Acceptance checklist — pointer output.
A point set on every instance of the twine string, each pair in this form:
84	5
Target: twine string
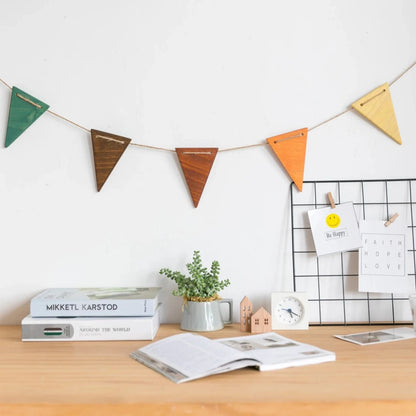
403	73
69	121
6	84
146	146
241	147
230	148
283	139
330	119
28	101
109	138
197	153
372	98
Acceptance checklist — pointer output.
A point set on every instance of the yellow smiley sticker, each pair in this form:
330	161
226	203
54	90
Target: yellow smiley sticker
333	220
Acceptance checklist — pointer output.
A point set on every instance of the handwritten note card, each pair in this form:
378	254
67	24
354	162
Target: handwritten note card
382	258
334	229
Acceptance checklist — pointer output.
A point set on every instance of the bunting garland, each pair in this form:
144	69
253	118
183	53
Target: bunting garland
196	163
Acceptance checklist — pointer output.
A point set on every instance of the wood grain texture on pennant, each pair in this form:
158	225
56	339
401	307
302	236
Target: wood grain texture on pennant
196	165
107	149
23	112
377	107
290	148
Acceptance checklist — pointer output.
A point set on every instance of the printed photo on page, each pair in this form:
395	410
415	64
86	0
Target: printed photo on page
378	337
334	229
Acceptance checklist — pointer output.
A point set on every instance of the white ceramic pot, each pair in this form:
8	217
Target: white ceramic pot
205	316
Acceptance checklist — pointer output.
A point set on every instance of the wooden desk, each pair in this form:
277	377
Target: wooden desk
99	378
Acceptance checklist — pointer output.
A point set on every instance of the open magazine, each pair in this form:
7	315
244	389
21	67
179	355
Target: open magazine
186	357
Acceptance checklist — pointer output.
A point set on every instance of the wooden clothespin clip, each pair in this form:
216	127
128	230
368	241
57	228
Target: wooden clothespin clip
391	220
331	200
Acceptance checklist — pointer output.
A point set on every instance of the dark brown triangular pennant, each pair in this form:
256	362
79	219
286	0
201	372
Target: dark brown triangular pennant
108	149
196	164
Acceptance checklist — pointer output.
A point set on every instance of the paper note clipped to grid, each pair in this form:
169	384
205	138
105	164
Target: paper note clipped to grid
382	258
334	229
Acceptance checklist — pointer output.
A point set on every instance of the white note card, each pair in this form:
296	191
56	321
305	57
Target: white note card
334	229
382	258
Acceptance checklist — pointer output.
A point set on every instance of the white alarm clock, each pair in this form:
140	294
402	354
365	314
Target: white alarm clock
290	310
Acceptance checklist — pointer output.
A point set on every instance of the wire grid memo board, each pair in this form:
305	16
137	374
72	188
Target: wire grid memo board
331	281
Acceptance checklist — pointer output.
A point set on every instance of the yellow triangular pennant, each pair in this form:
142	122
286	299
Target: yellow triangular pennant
377	107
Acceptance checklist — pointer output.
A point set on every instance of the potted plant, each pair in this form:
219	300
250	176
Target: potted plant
201	310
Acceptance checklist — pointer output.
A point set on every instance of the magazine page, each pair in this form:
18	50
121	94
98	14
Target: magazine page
274	352
188	356
378	337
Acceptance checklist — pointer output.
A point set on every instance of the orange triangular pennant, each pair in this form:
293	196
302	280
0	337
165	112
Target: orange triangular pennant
196	165
290	148
377	107
108	149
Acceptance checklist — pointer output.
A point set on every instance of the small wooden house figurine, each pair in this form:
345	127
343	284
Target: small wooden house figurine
261	321
246	310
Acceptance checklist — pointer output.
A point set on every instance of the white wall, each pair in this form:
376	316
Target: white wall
186	73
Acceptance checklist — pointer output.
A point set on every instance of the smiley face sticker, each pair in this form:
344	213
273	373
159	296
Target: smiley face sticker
333	220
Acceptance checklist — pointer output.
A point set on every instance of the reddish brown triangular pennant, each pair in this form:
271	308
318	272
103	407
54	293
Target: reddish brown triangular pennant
108	149
290	148
196	164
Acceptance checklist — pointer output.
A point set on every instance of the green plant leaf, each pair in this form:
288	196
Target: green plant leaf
201	284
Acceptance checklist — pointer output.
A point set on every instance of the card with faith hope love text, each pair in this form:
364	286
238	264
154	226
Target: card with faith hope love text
382	258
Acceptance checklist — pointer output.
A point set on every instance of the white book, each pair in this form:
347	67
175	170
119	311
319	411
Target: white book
187	356
91	329
99	301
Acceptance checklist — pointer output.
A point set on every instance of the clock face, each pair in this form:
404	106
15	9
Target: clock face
290	310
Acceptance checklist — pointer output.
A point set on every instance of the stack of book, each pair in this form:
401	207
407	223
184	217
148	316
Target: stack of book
93	314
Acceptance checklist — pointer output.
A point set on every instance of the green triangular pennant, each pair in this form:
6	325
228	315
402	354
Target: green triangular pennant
24	111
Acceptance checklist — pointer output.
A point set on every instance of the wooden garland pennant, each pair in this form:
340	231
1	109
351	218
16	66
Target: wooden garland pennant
290	148
107	149
23	112
377	107
196	163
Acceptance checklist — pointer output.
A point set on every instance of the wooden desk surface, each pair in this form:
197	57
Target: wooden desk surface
99	378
